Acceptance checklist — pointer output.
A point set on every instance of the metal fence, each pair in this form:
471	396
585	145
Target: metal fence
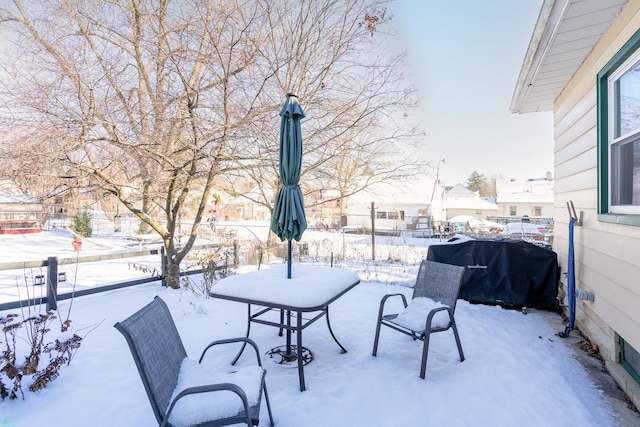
243	243
49	274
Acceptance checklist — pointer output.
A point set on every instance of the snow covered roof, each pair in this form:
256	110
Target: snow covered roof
18	199
470	203
413	193
461	191
529	191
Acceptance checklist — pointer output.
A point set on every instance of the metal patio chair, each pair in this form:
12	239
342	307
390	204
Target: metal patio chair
430	310
159	355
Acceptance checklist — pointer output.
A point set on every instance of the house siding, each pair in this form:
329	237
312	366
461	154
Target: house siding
606	257
525	208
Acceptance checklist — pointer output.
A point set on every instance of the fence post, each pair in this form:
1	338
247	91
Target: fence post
236	254
52	283
163	266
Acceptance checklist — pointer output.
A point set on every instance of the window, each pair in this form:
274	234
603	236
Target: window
381	215
537	210
624	137
619	136
630	359
513	210
392	215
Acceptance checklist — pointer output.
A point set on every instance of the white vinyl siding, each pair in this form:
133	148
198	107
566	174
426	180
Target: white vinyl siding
605	247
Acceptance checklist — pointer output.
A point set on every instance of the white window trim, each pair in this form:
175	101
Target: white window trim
612	140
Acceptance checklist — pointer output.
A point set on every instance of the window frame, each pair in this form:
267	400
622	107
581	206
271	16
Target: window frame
627	362
605	212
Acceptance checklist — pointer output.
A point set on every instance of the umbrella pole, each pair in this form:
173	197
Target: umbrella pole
289	355
289	261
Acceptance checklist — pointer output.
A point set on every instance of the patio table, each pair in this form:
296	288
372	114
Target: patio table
310	290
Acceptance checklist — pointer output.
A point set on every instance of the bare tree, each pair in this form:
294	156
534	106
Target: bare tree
334	56
154	102
28	167
140	98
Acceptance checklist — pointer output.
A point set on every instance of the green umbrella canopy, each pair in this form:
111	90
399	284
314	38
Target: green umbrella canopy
289	221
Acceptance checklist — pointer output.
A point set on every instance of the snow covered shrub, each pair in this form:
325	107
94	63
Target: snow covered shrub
25	339
214	265
35	328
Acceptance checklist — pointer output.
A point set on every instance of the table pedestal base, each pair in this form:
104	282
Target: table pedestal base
279	356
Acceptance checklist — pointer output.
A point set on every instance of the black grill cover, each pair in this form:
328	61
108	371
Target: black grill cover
508	272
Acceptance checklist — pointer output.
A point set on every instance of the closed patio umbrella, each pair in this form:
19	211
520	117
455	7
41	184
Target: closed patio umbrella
289	221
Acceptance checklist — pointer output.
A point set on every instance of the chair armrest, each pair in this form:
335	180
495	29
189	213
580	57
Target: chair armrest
207	389
433	312
384	299
231	341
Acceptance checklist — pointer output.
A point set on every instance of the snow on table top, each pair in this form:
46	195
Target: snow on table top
308	287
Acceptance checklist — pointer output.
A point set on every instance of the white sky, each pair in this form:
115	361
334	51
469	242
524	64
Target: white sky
465	57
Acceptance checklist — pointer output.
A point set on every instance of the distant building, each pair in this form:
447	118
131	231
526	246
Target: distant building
244	207
398	210
532	197
19	214
405	208
459	200
324	209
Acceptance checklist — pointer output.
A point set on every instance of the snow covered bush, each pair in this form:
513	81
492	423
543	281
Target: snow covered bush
23	347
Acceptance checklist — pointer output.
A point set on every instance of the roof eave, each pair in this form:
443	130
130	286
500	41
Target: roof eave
541	40
565	34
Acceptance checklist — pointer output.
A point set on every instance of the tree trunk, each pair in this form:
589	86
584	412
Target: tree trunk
172	277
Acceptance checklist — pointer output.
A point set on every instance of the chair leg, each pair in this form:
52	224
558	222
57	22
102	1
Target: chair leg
380	314
457	337
266	398
425	353
375	341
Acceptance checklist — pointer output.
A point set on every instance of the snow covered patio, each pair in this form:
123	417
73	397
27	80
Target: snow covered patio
517	371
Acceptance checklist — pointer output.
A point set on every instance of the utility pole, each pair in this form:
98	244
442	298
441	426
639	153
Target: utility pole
435	181
373	232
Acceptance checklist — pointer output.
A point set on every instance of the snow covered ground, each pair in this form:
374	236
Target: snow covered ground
517	371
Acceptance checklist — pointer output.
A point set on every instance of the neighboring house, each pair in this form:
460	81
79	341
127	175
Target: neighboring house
533	197
459	200
71	201
402	208
397	210
19	214
323	209
583	64
243	208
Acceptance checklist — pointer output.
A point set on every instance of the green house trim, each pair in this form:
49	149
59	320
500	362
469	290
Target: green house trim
623	361
602	88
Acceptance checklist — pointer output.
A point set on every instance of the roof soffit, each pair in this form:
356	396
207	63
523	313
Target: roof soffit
565	34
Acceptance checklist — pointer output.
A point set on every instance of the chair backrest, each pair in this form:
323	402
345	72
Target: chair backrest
157	350
440	282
